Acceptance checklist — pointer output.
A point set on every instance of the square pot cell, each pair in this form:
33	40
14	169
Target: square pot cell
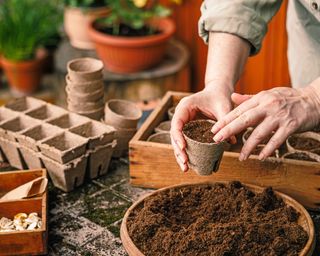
25	104
6	114
66	176
11	129
30	138
12	153
46	112
64	147
69	120
31	158
99	159
97	133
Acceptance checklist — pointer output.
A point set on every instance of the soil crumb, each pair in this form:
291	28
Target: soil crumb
199	131
216	220
304	143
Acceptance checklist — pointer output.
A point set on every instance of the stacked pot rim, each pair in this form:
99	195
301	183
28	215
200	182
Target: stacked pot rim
124	116
85	87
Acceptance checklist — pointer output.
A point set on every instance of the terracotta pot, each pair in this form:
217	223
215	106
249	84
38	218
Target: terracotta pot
304	219
204	158
122	114
76	23
24	77
127	55
83	70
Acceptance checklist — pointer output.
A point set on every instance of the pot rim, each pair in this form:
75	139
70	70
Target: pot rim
198	142
126	239
98	66
158	134
133	105
166	26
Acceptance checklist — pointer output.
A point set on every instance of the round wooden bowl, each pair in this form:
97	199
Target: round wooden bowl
304	220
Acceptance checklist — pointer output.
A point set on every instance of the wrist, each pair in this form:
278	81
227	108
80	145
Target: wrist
219	85
311	95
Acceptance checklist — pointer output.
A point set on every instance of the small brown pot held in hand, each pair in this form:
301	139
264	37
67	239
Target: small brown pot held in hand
24	77
127	55
204	156
76	23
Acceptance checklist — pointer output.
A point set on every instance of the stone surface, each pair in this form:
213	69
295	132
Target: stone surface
87	220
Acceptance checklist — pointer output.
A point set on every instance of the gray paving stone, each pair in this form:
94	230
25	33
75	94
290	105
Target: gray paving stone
74	230
106	245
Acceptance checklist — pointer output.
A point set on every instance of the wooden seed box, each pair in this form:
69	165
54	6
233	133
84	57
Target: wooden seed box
33	242
153	165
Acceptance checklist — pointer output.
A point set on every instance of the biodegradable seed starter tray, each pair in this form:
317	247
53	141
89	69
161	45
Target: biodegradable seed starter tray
35	134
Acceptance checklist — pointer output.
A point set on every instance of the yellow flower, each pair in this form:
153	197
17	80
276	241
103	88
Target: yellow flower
177	1
140	3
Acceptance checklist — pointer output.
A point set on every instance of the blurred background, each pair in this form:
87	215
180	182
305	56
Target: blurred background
36	48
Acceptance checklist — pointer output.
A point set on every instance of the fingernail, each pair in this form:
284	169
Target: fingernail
262	157
242	157
214	130
218	138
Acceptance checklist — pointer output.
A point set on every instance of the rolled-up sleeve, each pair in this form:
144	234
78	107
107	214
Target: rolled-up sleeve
247	19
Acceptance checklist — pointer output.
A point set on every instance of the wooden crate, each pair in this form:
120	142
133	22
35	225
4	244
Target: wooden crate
23	242
153	165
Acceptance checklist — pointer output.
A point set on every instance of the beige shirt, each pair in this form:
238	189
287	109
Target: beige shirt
248	19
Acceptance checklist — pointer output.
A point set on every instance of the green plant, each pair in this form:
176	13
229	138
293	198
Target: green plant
26	25
84	3
126	12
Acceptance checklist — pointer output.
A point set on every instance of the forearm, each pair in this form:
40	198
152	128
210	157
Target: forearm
227	55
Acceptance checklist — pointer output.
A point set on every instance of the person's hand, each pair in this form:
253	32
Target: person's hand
214	103
280	110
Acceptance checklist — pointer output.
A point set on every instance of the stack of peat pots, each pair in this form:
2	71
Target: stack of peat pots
123	116
85	88
35	134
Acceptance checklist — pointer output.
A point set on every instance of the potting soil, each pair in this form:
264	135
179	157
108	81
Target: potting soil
199	131
216	220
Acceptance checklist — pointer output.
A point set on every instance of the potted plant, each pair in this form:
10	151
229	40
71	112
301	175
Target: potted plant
25	26
78	14
134	36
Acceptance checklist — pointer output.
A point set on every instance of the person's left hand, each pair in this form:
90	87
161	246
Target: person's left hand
281	110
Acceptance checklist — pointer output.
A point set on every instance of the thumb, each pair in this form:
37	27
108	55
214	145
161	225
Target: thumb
240	98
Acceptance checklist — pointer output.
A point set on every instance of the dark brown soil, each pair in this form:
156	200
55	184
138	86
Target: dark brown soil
304	143
126	31
216	220
300	156
199	131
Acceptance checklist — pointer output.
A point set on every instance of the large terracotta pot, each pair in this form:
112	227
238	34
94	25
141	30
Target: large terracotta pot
24	77
76	23
127	55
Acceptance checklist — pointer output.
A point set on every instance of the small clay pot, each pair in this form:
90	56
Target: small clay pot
122	114
160	137
85	70
302	156
171	112
84	87
24	77
163	127
84	97
204	158
305	135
